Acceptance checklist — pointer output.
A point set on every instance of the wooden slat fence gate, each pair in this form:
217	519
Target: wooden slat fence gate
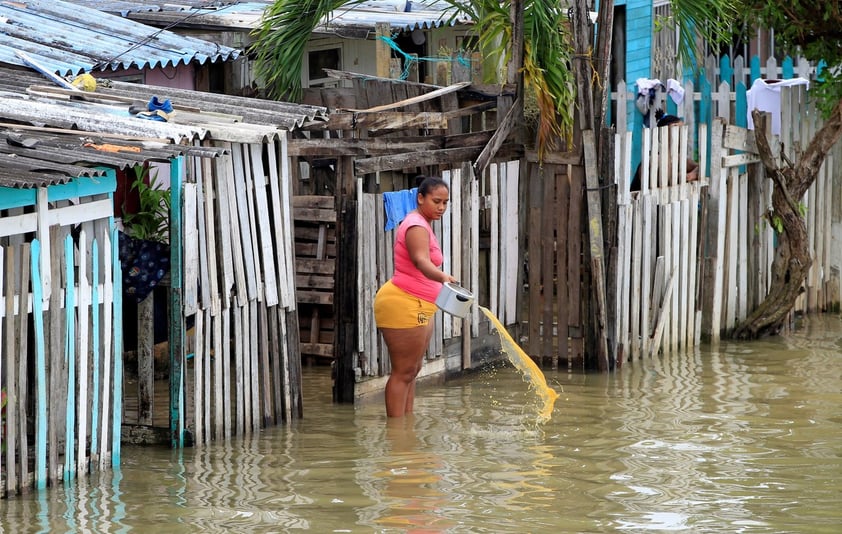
233	275
458	234
658	246
60	333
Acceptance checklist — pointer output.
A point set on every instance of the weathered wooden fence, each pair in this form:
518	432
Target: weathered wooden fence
233	274
694	258
60	332
459	237
745	240
658	247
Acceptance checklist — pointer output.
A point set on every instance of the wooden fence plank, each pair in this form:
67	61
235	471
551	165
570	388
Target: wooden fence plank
23	361
254	353
70	357
265	370
198	379
209	252
96	344
240	215
512	241
223	216
41	400
114	299
267	251
111	270
82	349
447	241
495	284
191	248
11	348
225	372
239	406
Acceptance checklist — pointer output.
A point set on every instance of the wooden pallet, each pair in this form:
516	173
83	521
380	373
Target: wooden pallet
315	270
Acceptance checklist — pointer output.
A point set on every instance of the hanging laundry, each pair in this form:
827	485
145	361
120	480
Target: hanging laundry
397	204
647	90
765	95
675	91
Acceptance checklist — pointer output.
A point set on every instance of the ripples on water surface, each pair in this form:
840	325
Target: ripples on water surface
745	438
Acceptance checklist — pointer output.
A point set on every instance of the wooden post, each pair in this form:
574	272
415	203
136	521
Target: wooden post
346	282
382	51
145	359
595	231
176	326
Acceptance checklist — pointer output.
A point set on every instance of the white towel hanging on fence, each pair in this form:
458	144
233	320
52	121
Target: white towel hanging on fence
765	95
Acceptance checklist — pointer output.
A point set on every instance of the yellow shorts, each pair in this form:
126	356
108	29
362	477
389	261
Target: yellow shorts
395	308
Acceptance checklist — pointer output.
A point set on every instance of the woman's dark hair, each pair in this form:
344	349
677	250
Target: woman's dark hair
426	184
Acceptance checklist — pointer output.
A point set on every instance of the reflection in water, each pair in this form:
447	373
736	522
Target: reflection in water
405	480
743	438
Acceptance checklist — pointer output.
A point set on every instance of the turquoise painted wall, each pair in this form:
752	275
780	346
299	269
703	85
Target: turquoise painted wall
638	60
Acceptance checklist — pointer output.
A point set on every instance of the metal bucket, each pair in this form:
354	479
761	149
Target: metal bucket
455	299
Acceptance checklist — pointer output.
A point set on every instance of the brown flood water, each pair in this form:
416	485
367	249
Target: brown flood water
743	438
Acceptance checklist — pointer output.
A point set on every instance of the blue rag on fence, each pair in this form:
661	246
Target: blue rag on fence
397	204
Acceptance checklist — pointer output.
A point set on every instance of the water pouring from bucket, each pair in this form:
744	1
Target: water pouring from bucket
457	301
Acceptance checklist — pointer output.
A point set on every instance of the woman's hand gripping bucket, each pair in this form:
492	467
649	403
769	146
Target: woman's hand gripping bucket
455	299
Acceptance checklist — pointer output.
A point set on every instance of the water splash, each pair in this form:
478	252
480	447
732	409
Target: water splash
531	372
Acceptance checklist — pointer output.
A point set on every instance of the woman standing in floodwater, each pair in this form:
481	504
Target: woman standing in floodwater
404	307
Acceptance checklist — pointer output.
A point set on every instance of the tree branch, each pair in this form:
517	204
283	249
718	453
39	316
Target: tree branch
768	158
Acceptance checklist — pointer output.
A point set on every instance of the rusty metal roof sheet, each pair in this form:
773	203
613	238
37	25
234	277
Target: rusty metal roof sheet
68	39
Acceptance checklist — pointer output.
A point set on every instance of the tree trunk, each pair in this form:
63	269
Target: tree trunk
792	257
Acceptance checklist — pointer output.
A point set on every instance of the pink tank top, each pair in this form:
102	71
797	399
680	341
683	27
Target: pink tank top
407	276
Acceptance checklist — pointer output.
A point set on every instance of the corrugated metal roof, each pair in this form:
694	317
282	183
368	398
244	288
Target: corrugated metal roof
124	7
401	14
30	107
70	39
30	159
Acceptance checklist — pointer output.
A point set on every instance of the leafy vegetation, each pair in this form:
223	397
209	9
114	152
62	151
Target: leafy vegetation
281	40
814	29
151	222
546	60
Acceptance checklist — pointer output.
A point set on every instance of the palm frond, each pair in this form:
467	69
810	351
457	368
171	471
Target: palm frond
712	20
547	50
282	38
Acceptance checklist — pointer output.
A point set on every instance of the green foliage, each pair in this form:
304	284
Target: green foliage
151	222
777	223
281	40
546	62
710	20
809	28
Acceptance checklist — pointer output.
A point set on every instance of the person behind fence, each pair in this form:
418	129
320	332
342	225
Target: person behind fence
692	166
405	305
